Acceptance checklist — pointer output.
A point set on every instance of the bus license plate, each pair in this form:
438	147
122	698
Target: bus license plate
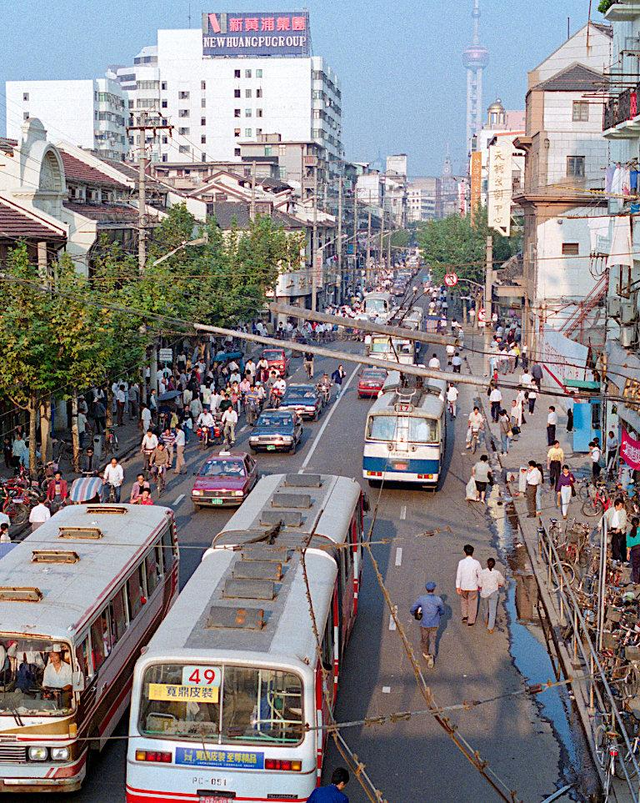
401	466
214	799
271	448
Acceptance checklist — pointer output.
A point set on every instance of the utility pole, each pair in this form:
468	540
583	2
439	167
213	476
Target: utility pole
381	255
252	211
314	246
368	266
340	292
389	252
488	290
355	238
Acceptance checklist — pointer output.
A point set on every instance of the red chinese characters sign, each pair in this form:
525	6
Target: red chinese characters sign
256	34
630	450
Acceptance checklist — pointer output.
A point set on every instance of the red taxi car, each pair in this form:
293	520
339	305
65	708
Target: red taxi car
370	382
276	358
224	479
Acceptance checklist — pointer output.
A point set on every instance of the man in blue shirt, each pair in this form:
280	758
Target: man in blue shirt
333	792
432	608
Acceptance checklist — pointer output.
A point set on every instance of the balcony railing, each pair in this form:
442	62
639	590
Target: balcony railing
621	108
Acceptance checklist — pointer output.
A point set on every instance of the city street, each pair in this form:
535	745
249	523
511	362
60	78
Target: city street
412	760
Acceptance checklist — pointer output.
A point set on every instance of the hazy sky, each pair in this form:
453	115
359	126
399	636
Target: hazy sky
403	84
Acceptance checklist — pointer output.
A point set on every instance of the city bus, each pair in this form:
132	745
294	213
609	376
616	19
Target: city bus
405	433
79	598
378	306
394	349
228	697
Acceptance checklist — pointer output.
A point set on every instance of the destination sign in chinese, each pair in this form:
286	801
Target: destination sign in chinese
197	694
284	33
198	757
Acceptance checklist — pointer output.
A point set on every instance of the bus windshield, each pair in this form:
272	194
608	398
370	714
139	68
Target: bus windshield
376	305
230	703
402	429
380	346
36	677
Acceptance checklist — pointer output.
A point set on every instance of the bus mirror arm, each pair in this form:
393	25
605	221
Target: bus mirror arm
78	681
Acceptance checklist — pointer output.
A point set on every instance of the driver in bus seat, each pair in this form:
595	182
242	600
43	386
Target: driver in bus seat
57	673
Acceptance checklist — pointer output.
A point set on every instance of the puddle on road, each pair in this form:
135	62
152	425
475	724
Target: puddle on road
529	654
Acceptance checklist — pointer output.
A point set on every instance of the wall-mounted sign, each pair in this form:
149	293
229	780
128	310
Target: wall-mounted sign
282	33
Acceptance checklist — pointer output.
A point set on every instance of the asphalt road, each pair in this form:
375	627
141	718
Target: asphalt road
413	760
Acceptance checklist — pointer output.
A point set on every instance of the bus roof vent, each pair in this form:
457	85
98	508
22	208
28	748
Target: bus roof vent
257	570
54	556
249	589
281	499
81	533
303	480
235	618
289	518
20	594
266	552
110	510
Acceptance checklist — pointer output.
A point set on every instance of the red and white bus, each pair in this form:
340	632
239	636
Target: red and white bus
226	694
79	598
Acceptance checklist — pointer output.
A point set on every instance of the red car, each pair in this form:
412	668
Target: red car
370	382
277	358
224	479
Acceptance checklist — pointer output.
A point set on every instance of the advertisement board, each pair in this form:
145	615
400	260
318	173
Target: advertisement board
281	33
500	187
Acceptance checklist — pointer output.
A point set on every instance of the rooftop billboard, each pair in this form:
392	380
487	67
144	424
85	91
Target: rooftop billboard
284	33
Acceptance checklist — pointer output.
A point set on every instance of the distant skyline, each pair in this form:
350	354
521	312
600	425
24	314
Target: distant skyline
403	81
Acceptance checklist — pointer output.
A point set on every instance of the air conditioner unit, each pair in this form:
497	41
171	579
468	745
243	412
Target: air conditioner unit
613	307
628	312
628	336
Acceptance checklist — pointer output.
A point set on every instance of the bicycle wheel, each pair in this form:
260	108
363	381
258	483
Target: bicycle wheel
592	508
18	513
601	744
584	492
569	572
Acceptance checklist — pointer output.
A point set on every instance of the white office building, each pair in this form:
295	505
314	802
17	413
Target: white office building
89	113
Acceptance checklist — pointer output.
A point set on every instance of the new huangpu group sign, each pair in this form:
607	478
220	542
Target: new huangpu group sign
284	33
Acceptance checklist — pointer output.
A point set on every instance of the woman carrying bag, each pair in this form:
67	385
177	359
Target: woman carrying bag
565	489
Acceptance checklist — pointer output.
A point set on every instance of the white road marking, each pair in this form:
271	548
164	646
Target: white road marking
325	424
403	512
399	556
178	500
242	429
386	689
392	623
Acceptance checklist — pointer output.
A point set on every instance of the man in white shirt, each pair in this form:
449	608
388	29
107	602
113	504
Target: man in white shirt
491	581
434	363
179	443
467	584
552	422
148	446
616	520
205	419
38	515
526	380
456	362
595	453
495	397
113	478
534	479
57	673
229	421
452	399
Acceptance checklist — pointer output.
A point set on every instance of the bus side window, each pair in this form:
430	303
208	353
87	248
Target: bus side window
327	644
118	616
167	549
84	658
98	641
135	590
159	559
151	568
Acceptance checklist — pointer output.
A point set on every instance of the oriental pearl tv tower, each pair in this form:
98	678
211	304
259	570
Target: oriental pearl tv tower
475	58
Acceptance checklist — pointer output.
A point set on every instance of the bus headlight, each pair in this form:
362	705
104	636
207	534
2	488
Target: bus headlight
60	754
38	753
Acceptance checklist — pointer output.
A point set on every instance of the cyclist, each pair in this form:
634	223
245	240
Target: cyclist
57	492
324	387
148	447
137	488
229	421
159	464
113	478
452	399
476	426
206	423
308	364
277	392
253	402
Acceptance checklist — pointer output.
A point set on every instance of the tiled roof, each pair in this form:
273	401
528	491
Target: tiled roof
15	224
105	213
225	212
76	170
575	78
8	145
131	172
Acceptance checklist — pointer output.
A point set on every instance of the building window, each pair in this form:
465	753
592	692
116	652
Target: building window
164	157
258	93
164	104
165	140
25	115
236	73
247	93
183	149
184	132
282	172
163	85
575	166
203	85
247	73
267	150
203	103
570	249
258	112
258	73
25	96
236	132
247	132
258	132
203	139
183	113
183	96
236	113
580	111
203	121
203	157
236	93
236	151
247	112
